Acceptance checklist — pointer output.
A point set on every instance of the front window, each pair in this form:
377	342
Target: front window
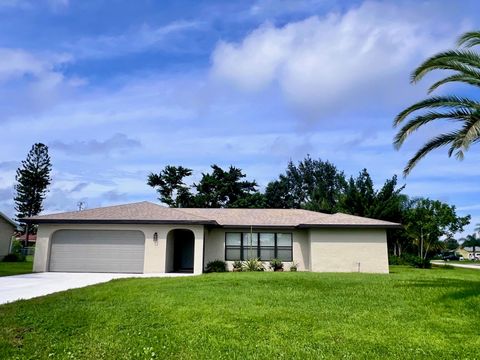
265	246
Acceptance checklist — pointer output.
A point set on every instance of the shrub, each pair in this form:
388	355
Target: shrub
252	265
13	257
276	265
412	260
237	265
294	267
420	263
16	247
216	266
397	260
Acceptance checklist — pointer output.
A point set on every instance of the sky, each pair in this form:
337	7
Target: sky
119	89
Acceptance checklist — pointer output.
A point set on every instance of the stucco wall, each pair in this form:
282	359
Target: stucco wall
215	246
155	252
6	233
349	250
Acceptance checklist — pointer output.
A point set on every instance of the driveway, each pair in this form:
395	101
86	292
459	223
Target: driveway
464	266
28	286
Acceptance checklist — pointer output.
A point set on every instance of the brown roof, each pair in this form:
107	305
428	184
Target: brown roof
149	213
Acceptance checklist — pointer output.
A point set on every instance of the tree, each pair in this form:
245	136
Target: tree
472	241
465	65
427	221
171	186
312	184
33	179
225	189
359	195
451	243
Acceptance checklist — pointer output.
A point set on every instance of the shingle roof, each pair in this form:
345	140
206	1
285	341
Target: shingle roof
146	212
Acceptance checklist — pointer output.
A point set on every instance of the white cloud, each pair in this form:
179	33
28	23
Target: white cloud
334	62
132	41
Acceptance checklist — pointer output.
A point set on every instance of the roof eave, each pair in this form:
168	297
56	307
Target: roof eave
350	226
234	226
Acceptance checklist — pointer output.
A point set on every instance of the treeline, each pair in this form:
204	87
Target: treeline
319	186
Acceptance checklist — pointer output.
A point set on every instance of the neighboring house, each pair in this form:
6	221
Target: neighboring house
148	238
32	238
467	252
7	229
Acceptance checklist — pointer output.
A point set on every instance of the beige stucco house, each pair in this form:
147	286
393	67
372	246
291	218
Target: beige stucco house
148	238
7	229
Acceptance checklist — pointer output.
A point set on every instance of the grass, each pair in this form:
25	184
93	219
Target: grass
16	268
409	314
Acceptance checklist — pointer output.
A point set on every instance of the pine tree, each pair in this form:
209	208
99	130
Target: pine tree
33	179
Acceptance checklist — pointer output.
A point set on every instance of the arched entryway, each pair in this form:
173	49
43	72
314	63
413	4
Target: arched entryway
180	250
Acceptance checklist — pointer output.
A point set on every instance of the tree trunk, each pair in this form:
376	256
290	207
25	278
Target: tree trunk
27	231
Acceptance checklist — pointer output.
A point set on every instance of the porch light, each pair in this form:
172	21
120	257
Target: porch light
155	237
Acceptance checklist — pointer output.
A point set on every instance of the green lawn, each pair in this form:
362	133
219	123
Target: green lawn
410	313
16	268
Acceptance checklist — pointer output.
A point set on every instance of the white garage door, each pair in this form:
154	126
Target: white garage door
97	251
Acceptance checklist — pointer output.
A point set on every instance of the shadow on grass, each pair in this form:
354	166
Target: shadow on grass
456	289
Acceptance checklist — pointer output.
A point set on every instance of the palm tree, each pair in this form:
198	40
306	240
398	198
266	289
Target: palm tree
465	65
472	241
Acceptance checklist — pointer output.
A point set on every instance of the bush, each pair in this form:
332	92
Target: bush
216	266
12	257
276	265
397	260
412	260
420	263
252	265
237	265
16	247
294	267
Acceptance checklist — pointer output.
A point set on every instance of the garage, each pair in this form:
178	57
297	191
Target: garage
97	251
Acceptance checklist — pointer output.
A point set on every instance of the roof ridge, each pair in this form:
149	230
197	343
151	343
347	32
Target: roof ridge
188	213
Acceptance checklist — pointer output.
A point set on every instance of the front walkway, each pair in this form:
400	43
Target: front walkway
28	286
464	266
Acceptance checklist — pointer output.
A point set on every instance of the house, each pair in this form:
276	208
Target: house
148	238
7	229
467	252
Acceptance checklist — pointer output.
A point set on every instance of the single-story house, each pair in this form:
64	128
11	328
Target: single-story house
467	252
148	238
7	229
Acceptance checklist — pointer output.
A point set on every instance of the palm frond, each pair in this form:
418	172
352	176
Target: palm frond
455	102
469	39
415	123
447	60
467	79
435	143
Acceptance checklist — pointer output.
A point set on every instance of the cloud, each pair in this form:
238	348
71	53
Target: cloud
342	61
32	82
132	41
91	147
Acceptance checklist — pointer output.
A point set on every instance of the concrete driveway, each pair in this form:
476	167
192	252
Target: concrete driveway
28	286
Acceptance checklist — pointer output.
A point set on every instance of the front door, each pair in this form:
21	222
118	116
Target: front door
183	252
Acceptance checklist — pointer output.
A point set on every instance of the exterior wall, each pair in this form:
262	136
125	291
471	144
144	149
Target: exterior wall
349	250
6	233
155	252
215	246
321	250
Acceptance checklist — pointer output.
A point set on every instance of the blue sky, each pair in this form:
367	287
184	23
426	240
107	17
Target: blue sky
118	89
